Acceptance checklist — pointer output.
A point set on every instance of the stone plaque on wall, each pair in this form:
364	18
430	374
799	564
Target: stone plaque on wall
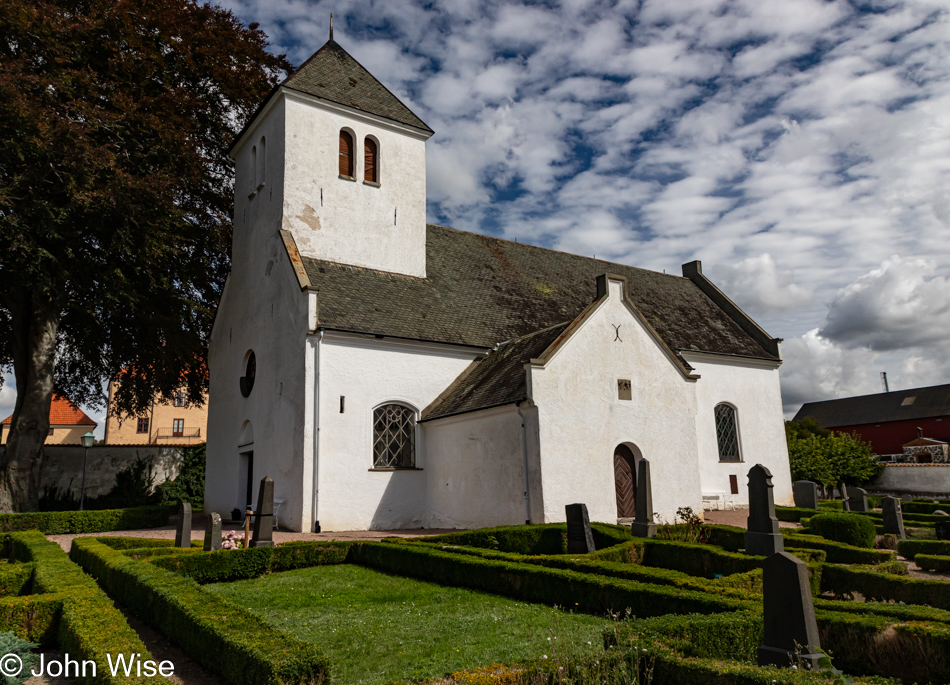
623	389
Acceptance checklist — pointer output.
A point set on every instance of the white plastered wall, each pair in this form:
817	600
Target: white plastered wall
349	221
752	387
475	469
581	420
262	309
369	372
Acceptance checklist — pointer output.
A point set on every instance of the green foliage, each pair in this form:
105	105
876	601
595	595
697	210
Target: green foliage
11	644
15	579
933	562
549	538
585	592
829	459
806	427
58	522
851	529
69	609
836	552
844	580
226	639
189	485
910	548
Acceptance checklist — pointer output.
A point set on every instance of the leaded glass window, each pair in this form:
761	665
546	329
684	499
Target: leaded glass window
727	433
394	437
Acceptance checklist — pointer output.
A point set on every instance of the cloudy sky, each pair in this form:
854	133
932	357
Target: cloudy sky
800	149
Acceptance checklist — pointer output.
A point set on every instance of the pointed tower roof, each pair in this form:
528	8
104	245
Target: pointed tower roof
332	74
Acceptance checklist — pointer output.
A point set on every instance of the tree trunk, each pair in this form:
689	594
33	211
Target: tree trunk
34	323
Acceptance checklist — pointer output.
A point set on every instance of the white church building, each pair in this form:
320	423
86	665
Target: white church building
388	373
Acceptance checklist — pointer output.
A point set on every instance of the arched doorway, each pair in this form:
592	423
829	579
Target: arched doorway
625	478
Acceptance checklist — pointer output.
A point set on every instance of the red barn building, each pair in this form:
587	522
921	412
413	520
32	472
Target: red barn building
887	420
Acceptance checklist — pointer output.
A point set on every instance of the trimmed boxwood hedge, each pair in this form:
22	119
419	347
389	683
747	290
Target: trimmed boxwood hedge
911	548
223	637
587	592
240	564
58	522
546	538
883	586
837	552
933	562
15	579
69	609
851	529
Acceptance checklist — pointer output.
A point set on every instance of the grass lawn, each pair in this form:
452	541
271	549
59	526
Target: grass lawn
378	628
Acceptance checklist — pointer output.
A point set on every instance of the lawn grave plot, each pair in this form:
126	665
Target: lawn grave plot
377	628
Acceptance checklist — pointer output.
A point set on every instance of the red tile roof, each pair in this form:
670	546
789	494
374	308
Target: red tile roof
62	412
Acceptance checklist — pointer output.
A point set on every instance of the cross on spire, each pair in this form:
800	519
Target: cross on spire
331	25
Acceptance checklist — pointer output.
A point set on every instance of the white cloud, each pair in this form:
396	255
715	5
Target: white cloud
758	287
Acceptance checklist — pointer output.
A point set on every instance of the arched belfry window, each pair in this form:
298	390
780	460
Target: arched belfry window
346	154
370	161
394	437
727	432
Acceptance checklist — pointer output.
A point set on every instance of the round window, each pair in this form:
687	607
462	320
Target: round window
250	370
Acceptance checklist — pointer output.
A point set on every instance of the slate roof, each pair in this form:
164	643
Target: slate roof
879	407
332	74
481	291
62	412
497	379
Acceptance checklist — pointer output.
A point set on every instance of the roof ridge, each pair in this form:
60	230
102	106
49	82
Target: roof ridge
551	249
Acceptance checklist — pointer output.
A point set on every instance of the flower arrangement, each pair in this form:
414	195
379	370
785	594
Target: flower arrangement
232	540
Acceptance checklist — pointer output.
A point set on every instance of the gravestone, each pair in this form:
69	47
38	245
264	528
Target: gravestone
580	540
791	631
762	537
893	519
805	493
907	498
183	531
943	530
845	499
213	533
858	497
643	525
264	516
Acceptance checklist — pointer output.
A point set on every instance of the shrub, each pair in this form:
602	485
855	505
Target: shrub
842	580
225	638
189	484
548	538
11	644
15	579
910	548
57	522
851	529
933	562
837	552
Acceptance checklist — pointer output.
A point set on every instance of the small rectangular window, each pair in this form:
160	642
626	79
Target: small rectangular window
179	399
50	432
178	428
734	484
142	426
623	389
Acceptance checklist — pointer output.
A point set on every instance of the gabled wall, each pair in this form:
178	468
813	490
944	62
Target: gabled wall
582	420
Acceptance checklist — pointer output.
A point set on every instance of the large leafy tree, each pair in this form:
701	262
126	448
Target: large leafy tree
827	458
115	200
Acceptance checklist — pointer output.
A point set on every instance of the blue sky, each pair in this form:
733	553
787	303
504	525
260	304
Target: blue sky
800	149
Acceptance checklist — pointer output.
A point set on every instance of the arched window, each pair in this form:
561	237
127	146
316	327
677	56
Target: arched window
370	161
346	154
252	176
261	162
727	432
394	437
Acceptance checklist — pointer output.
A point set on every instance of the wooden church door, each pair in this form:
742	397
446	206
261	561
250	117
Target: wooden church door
625	477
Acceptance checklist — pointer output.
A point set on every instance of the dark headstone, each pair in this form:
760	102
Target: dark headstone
943	530
893	518
805	493
858	497
643	525
579	538
845	499
791	631
183	532
762	537
213	533
907	498
264	516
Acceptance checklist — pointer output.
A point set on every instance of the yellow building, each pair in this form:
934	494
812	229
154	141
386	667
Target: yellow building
67	423
168	423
